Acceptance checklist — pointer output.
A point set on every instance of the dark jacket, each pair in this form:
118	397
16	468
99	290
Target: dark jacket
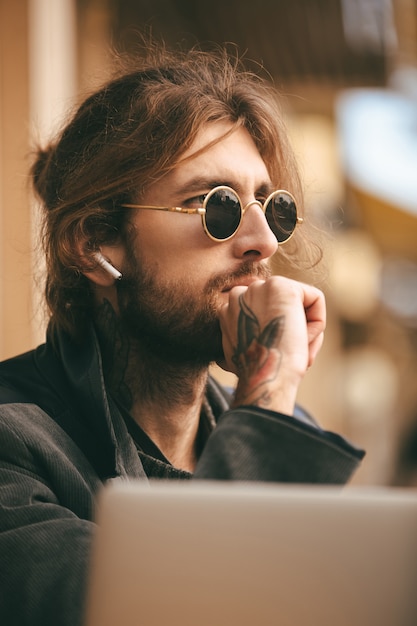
62	436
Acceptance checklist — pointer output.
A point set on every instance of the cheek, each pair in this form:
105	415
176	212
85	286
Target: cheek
176	250
171	238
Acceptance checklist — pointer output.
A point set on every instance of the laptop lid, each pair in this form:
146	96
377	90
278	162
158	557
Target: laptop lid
230	554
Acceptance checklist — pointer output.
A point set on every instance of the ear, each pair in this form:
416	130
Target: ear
107	266
97	265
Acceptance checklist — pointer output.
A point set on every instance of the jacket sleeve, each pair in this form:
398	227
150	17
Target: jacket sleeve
45	534
253	444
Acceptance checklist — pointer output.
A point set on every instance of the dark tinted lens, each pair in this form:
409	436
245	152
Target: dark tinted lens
281	215
223	213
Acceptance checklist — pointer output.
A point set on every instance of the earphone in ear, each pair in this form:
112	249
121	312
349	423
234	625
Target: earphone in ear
108	267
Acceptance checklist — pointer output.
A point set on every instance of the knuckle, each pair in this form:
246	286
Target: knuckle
284	286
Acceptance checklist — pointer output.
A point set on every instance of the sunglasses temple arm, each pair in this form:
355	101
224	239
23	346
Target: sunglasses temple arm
174	209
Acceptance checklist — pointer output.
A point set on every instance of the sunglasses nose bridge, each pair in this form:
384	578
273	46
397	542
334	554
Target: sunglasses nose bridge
259	204
249	204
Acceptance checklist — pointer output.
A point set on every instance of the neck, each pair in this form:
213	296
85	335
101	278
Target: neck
164	396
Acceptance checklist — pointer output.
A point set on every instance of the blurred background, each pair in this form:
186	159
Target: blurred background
347	70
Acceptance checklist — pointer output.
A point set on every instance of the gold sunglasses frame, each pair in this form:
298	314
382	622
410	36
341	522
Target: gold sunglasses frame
202	210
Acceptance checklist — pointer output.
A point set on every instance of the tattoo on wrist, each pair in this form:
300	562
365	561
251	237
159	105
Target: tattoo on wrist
257	356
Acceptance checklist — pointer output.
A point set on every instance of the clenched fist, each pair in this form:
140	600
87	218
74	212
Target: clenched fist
272	331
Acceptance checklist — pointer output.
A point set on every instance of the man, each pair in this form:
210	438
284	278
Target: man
165	197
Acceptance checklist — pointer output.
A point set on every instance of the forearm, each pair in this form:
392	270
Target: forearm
250	443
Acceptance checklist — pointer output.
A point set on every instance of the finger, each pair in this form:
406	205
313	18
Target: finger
314	348
314	304
315	312
229	312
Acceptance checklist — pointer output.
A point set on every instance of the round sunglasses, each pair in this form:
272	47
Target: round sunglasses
222	213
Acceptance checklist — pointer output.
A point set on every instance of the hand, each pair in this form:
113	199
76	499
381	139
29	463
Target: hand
272	332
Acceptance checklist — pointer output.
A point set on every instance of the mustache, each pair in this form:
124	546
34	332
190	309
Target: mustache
249	268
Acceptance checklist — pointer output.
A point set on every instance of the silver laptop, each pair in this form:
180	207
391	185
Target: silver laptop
230	554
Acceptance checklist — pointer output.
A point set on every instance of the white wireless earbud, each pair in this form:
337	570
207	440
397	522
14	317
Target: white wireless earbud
108	267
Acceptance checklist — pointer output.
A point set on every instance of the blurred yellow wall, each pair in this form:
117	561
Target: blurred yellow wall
15	221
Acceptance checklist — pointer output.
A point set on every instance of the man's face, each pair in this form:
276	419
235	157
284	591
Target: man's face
175	277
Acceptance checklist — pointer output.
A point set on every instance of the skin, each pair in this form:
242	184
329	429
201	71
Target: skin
271	328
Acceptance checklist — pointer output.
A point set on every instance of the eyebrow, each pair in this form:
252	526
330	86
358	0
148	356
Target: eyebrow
198	184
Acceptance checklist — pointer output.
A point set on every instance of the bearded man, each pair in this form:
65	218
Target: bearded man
165	198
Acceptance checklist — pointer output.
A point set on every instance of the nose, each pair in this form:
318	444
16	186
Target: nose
254	237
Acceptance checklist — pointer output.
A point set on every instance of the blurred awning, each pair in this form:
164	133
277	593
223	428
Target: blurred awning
378	135
378	143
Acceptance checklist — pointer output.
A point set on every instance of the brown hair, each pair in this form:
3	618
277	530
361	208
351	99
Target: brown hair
129	133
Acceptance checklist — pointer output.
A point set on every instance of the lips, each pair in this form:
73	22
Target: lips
240	283
247	274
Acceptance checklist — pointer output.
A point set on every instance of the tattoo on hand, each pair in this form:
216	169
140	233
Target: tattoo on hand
257	357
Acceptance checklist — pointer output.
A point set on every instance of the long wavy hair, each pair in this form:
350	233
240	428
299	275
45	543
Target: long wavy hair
130	133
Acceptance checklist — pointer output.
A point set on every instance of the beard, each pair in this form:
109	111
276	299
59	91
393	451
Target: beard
174	322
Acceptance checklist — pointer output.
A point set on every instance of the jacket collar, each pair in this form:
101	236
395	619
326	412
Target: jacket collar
75	372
